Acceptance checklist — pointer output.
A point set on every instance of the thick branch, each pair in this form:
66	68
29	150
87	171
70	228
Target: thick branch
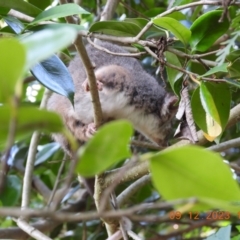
109	10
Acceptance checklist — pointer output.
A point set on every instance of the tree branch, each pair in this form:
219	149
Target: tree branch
27	180
109	10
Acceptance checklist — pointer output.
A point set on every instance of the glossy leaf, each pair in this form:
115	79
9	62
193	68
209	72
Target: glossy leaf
107	147
12	191
234	55
154	12
208	103
176	15
173	74
172	25
141	23
206	30
9	75
45	43
233	68
189	171
116	28
54	26
46	152
4	10
54	75
221	68
198	112
29	119
21	6
40	4
59	11
14	24
211	107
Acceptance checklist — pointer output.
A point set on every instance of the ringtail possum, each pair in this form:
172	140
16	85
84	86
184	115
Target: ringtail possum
126	91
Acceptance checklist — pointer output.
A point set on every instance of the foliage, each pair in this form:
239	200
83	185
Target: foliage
190	184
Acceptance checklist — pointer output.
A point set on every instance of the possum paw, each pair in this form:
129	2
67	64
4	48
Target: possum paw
91	130
86	86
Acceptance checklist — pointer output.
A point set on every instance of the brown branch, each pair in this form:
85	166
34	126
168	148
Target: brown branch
132	189
114	214
44	225
225	145
138	54
27	180
31	231
60	170
109	10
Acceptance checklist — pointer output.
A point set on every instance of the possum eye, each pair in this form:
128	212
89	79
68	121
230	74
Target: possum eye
78	123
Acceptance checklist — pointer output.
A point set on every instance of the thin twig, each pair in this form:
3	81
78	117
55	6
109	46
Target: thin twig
85	216
225	145
27	180
132	189
57	181
138	54
46	225
31	231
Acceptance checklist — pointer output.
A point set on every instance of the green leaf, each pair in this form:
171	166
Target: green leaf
9	75
21	6
233	68
153	12
4	11
45	43
198	112
173	74
54	75
59	11
40	4
12	191
46	152
116	28
29	119
189	171
221	68
108	146
234	55
172	25
216	100
53	26
141	23
206	30
176	15
211	100
224	53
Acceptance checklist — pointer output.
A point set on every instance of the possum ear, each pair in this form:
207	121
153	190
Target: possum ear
169	104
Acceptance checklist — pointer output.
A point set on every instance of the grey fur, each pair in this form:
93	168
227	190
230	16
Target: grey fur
129	92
